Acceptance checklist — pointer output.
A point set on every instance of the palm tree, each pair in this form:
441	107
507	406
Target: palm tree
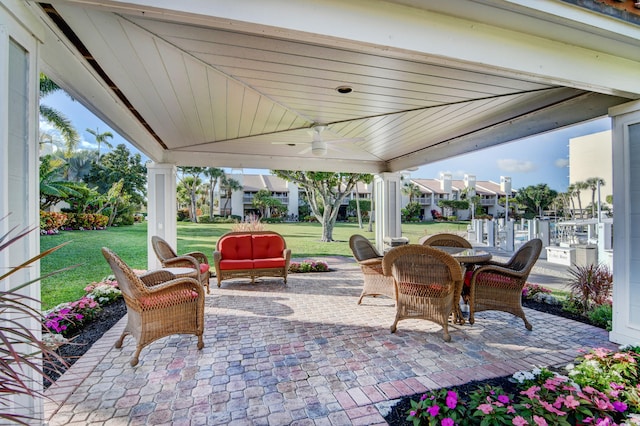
579	186
79	165
411	190
213	173
56	118
594	183
228	185
101	138
53	186
190	180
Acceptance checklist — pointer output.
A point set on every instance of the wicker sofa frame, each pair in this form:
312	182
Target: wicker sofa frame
253	272
445	240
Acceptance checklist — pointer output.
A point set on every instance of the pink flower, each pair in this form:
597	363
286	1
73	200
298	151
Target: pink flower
540	421
447	422
571	402
519	421
601	404
452	399
510	409
433	410
603	422
550	408
485	408
531	392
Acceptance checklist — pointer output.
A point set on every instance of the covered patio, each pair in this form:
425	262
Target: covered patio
304	354
375	87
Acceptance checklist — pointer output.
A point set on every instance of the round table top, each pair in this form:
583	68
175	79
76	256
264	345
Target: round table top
466	255
180	271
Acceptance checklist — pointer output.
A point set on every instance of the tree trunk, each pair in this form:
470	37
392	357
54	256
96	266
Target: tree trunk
194	208
211	195
358	208
371	212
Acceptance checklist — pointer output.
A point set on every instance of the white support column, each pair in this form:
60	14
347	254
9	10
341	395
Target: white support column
387	207
626	213
19	190
161	206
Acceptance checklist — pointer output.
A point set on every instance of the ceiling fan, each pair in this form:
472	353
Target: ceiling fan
319	145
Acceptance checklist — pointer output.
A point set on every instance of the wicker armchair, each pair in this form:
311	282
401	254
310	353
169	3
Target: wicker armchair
370	260
445	240
158	305
170	259
427	282
498	286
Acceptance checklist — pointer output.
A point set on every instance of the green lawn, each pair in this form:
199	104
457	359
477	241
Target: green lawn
129	242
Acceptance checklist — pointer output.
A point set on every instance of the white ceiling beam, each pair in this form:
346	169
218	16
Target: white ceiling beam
420	34
582	108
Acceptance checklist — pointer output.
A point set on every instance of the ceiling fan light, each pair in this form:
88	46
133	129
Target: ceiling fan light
319	148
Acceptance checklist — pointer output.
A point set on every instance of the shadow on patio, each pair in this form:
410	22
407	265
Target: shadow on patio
302	354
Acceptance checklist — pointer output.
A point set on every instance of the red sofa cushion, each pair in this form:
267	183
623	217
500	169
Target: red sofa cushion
266	246
269	263
236	247
165	300
233	264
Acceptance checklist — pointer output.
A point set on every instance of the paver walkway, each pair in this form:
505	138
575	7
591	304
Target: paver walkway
303	354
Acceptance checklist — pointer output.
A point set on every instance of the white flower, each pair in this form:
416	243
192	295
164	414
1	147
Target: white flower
570	367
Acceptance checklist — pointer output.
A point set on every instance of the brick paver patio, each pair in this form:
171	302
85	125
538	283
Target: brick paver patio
303	354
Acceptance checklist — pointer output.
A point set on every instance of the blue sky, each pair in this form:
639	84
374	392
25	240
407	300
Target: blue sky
530	161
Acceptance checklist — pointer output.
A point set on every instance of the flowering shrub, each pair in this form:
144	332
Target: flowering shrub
602	389
68	318
439	407
308	266
590	286
51	222
529	290
86	221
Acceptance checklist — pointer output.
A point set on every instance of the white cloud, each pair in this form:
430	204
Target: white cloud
516	166
561	162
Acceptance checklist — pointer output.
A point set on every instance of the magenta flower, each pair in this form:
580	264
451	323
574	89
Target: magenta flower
519	421
412	413
619	406
447	422
452	399
503	398
433	410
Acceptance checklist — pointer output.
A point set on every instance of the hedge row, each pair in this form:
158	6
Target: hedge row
51	222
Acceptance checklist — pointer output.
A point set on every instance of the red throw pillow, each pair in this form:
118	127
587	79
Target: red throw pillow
204	267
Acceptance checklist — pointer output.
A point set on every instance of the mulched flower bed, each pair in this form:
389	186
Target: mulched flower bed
108	316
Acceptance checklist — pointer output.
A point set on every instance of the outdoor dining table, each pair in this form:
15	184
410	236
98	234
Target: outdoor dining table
468	259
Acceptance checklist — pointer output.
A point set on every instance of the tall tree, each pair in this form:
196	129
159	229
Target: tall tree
536	198
577	188
325	192
213	174
411	190
228	185
365	179
57	119
53	187
101	138
189	178
594	183
79	165
120	164
571	192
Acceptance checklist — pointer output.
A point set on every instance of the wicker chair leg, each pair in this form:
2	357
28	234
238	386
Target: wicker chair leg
200	342
446	336
219	280
527	324
118	344
361	297
134	360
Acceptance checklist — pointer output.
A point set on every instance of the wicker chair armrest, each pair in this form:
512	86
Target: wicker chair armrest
199	256
371	262
286	253
217	257
182	261
501	270
176	285
155	278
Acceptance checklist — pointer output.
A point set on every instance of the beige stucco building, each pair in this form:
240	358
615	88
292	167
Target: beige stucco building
592	156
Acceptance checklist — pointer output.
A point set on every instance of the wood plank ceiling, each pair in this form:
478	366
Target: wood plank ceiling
208	91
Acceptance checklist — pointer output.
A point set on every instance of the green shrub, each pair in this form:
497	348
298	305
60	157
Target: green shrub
602	316
272	220
52	221
590	286
183	214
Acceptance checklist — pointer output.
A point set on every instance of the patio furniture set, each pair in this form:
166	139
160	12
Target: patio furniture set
427	280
